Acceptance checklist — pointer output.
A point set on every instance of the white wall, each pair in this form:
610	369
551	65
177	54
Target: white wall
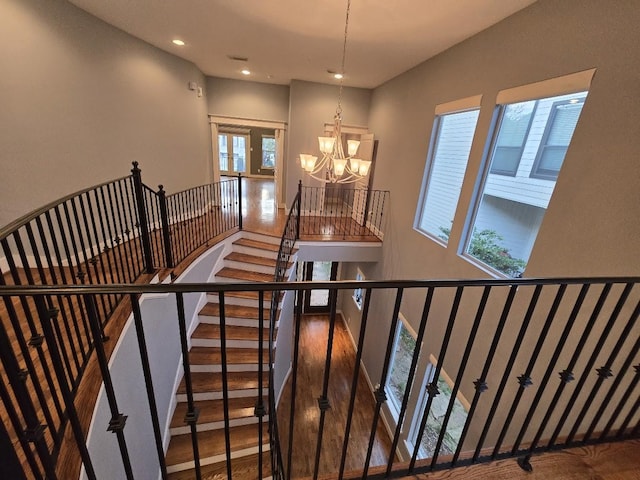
81	100
160	323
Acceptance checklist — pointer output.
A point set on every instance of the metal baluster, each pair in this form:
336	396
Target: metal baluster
142	217
191	417
123	246
133	218
380	394
605	372
354	381
323	401
480	383
102	254
606	403
118	420
6	470
461	370
596	351
148	382
294	376
33	431
525	379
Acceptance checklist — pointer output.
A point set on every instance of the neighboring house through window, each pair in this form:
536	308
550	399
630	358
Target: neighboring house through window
522	176
451	139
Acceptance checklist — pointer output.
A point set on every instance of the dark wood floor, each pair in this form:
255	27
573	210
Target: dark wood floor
313	344
608	462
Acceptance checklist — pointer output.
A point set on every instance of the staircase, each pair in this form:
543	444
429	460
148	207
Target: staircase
253	259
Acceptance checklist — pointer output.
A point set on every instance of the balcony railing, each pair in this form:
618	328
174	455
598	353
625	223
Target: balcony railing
549	363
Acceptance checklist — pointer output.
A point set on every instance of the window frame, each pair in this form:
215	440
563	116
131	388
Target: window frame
501	112
275	154
392	403
546	174
451	108
358	296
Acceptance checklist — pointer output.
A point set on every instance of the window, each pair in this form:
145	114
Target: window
233	152
514	128
268	151
557	136
531	141
404	344
451	141
436	415
357	293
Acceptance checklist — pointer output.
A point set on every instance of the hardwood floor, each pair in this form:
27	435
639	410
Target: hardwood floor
607	462
313	342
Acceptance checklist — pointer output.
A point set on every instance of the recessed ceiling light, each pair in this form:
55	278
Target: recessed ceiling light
337	76
178	42
246	72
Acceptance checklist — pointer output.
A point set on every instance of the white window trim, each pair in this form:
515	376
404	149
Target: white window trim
564	85
359	277
394	407
456	106
428	377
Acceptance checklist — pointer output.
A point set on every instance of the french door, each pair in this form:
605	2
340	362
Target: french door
317	301
233	151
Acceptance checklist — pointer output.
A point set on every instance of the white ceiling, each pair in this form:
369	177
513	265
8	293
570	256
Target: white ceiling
302	39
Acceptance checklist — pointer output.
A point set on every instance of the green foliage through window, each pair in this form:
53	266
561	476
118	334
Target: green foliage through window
485	246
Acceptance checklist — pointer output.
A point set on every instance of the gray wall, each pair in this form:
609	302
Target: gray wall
311	106
592	224
81	100
244	99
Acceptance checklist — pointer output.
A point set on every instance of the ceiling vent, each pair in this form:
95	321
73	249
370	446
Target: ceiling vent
237	58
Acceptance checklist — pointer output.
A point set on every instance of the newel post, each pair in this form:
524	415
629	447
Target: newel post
166	235
145	237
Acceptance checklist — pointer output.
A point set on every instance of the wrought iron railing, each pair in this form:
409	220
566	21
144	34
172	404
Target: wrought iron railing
113	233
550	363
336	211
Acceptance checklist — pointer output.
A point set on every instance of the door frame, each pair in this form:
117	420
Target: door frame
308	275
215	121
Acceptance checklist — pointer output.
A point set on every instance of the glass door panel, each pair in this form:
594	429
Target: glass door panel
233	153
318	300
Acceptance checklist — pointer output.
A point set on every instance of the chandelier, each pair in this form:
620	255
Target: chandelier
335	166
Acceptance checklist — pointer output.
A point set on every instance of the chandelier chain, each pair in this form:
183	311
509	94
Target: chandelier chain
344	55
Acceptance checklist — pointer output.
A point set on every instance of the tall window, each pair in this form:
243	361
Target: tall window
529	145
514	128
557	136
233	152
404	344
451	140
268	151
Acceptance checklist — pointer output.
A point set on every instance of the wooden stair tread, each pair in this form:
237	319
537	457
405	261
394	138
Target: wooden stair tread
212	410
253	259
212	309
203	382
213	356
211	331
243	468
247	242
250	295
246	275
212	442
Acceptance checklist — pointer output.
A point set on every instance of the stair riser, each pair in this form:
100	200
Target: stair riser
262	238
259	252
241	302
237	322
237	367
216	458
182	397
204	342
203	427
250	266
